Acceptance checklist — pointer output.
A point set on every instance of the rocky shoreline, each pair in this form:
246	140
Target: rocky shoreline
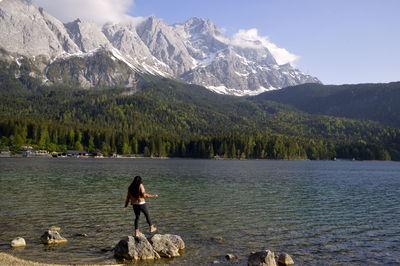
262	258
134	248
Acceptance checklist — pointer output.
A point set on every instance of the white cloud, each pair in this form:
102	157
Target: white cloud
99	11
250	38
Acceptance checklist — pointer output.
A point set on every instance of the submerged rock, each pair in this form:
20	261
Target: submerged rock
81	235
135	248
52	237
163	245
231	257
18	242
55	228
262	258
218	239
285	260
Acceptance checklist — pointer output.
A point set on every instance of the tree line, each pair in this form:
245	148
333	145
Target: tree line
55	136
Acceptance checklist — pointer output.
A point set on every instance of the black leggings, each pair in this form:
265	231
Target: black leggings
141	208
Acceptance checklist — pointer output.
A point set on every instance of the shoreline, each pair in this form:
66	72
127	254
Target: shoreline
11	260
8	259
193	158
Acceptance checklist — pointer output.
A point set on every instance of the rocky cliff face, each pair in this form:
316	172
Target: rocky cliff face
86	35
24	30
195	51
99	69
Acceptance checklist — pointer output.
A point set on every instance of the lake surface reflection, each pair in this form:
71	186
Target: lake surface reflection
321	213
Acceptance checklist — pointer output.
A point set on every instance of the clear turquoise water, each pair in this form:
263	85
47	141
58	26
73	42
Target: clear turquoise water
322	213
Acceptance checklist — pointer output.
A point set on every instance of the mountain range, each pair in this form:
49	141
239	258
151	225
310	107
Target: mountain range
83	54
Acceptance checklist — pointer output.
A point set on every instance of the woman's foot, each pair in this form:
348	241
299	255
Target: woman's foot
153	228
137	233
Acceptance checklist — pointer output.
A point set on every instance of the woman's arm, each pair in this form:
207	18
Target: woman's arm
128	198
150	195
143	192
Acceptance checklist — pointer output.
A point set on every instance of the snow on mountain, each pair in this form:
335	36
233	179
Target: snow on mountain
165	44
125	39
196	51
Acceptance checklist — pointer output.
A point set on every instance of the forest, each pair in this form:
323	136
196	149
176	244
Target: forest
377	102
167	118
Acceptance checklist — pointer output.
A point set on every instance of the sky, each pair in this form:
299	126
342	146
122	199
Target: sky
338	41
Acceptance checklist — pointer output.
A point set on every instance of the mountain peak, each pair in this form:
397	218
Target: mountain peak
196	51
153	21
87	35
202	26
197	20
24	2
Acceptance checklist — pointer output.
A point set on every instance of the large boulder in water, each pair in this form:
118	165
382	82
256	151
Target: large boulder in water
135	248
52	237
165	246
262	258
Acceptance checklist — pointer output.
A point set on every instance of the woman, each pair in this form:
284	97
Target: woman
136	195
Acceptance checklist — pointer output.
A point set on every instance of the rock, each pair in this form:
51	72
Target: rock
164	246
18	242
135	248
218	239
81	235
52	237
285	260
262	258
55	228
176	240
231	257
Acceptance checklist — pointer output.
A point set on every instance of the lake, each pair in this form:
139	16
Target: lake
320	212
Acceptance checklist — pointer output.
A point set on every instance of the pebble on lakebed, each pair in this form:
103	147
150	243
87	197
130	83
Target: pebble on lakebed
18	242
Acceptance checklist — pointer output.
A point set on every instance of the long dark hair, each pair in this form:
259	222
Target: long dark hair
134	187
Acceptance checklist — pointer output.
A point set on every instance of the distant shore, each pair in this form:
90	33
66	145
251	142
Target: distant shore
188	158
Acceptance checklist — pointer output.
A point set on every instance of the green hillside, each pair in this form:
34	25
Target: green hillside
377	102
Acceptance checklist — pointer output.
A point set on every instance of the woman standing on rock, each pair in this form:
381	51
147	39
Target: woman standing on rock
136	195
